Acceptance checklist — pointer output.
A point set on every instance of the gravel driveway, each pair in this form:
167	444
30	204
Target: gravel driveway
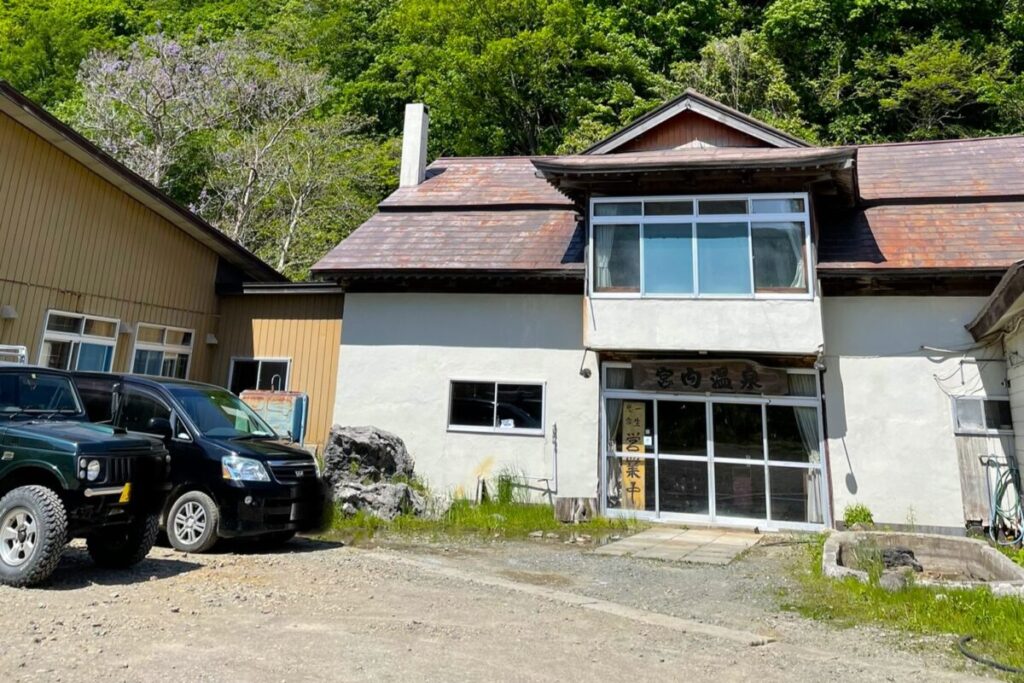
428	612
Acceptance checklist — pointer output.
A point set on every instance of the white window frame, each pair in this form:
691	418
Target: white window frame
709	398
521	431
78	338
955	407
693	219
259	371
164	347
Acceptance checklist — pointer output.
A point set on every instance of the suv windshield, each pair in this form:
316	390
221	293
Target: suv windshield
219	413
37	392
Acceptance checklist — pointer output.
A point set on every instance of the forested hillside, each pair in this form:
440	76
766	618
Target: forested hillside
277	119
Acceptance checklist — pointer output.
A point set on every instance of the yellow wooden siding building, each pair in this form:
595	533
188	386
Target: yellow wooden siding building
101	271
302	328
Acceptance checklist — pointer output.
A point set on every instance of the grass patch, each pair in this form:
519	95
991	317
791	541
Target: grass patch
502	517
997	623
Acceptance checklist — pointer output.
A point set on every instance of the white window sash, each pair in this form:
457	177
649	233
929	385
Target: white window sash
596	262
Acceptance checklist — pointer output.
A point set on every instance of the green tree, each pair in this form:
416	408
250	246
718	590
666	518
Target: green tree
501	76
740	71
43	42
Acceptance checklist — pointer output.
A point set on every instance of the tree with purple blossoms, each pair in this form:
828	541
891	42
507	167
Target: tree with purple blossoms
248	120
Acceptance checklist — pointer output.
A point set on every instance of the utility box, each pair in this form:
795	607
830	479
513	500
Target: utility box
285	411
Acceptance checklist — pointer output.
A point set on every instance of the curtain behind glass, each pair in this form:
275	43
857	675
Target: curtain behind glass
807	424
778	256
617	254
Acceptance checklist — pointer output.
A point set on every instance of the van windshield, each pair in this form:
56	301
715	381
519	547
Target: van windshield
218	413
36	393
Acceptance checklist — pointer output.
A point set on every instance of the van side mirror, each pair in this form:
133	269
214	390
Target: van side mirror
160	426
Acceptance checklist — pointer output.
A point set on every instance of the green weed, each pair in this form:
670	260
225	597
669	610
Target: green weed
499	517
858	513
997	623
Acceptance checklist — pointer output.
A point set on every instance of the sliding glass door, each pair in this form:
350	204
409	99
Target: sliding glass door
742	460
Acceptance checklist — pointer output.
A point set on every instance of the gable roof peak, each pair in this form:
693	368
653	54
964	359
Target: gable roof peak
718	114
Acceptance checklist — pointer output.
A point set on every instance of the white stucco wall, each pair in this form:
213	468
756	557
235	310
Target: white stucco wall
775	325
889	418
400	351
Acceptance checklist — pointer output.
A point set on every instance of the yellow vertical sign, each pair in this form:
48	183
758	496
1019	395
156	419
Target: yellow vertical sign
634	419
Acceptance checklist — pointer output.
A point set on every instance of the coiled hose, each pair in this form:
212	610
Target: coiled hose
1006	511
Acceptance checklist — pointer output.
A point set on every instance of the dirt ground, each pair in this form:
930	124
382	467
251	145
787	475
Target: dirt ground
530	611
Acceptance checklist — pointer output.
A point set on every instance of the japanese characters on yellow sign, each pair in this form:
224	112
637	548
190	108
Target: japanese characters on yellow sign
634	418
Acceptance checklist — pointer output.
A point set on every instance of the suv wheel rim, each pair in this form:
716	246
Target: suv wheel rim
190	522
19	534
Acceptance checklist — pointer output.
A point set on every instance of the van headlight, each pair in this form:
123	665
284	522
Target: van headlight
237	468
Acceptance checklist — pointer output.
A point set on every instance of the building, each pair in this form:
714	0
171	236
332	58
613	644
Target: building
699	319
99	270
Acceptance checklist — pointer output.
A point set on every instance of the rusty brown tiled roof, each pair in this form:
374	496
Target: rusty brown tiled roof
512	240
949	169
970	235
479	182
952	205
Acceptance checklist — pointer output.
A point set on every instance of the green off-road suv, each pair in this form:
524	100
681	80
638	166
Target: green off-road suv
61	478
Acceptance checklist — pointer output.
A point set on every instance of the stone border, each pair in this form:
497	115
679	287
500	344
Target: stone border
832	567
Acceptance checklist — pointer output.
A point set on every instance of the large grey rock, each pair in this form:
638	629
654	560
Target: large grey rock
360	464
382	499
364	453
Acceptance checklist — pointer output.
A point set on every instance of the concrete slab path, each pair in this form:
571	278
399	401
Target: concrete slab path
675	544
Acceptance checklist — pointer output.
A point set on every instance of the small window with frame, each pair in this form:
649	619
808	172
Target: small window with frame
981	415
499	407
77	341
162	351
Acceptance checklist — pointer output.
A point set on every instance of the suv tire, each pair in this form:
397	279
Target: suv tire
125	546
33	533
192	522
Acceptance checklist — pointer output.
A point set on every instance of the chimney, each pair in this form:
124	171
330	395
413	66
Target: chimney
414	145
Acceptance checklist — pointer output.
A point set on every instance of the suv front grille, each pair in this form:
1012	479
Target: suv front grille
291	471
119	470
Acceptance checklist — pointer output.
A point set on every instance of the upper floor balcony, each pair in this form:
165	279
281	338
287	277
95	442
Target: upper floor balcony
706	272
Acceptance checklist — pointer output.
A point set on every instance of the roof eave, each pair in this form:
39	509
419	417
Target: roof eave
838	160
1002	302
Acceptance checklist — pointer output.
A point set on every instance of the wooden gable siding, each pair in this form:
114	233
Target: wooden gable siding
689	128
305	328
71	241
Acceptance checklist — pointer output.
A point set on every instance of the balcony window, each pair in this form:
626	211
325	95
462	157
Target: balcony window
745	246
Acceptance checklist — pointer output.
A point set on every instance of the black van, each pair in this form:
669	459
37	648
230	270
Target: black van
231	475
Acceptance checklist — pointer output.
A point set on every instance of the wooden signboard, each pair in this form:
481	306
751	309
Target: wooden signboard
634	470
700	376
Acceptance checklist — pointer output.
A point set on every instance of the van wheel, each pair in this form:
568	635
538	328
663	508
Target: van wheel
192	522
124	546
33	533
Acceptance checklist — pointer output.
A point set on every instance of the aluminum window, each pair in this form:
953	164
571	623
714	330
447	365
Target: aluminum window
76	341
162	351
730	246
498	407
981	415
265	374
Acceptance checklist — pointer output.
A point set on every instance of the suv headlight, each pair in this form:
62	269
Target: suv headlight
237	468
89	469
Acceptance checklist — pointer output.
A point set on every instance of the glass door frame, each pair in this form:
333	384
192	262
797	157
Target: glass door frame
708	400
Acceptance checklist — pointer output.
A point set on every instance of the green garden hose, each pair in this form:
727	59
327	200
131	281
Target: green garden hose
1007	488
